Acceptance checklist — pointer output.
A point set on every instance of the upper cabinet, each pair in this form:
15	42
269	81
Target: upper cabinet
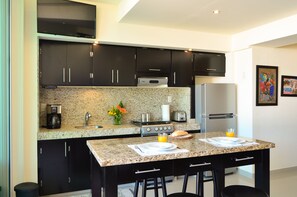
209	64
154	62
83	64
113	65
64	63
182	69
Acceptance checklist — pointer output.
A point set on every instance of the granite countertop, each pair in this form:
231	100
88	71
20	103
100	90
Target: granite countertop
66	132
112	152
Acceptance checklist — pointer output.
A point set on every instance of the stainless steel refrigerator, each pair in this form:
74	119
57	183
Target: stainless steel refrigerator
216	109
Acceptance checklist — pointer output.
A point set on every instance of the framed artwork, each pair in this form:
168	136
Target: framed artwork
289	85
267	83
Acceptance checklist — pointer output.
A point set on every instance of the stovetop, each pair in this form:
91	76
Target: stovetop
158	122
154	127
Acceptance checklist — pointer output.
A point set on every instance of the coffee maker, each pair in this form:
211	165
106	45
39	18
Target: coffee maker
53	116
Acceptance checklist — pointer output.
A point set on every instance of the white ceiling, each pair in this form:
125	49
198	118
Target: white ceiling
196	15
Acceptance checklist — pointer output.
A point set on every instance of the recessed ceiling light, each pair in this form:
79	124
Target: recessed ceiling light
216	11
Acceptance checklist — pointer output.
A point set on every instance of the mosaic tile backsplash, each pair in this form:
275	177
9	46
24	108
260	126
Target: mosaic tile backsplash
76	101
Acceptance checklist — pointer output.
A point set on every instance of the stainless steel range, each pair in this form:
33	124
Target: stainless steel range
154	127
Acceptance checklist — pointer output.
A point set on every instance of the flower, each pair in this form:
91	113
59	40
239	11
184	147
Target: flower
117	111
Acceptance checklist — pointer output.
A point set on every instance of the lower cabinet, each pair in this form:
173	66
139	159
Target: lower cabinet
63	166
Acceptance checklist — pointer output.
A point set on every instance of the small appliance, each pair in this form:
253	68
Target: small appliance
54	117
179	116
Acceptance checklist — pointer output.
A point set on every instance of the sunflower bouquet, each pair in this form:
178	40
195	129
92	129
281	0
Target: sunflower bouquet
117	113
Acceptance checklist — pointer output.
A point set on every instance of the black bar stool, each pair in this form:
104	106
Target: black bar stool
181	194
199	185
242	191
155	187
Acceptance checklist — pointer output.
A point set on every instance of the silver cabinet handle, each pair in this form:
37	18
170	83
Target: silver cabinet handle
65	148
147	171
155	69
63	73
211	69
199	164
112	73
244	159
69	75
174	77
117	76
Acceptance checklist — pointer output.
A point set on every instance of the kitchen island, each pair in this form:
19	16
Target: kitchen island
115	163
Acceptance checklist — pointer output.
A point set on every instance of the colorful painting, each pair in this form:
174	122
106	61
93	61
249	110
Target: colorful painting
267	80
289	85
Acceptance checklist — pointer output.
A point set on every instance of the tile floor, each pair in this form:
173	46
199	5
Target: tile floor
283	184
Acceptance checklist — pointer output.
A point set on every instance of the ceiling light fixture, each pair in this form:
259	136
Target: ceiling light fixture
216	11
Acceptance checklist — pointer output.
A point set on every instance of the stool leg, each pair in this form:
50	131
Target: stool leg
200	191
215	184
164	190
156	187
144	188
185	183
135	193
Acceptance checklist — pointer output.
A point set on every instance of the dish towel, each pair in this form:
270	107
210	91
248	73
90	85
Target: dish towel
228	145
143	151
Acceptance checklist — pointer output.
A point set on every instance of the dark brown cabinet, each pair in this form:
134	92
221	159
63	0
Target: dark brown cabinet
182	74
209	64
63	166
113	65
155	62
64	63
53	176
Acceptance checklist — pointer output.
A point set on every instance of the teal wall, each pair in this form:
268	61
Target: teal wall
4	98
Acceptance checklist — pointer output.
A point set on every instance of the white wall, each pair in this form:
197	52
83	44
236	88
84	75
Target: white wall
283	32
24	95
277	123
110	31
242	61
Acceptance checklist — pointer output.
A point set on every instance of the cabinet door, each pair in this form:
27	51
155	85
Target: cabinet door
182	74
209	64
124	61
155	61
53	169
52	62
79	64
103	68
114	65
79	165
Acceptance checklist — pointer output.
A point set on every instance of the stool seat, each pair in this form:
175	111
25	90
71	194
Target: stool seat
242	191
27	189
182	195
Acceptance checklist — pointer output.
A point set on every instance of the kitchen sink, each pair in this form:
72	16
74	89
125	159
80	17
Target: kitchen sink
88	127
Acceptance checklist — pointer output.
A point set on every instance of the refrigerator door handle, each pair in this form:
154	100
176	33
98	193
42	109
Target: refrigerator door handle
220	116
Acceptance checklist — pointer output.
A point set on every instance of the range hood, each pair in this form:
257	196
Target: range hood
152	82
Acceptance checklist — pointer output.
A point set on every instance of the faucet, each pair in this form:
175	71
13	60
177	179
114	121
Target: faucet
87	118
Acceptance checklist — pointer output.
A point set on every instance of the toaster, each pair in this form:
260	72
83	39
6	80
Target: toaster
179	116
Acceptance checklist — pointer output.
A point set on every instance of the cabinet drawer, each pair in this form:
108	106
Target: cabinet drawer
241	159
192	165
140	171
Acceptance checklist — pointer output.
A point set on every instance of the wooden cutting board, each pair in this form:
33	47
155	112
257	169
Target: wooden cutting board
189	136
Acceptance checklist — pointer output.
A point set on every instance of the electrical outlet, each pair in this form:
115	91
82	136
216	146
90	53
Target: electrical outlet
169	99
